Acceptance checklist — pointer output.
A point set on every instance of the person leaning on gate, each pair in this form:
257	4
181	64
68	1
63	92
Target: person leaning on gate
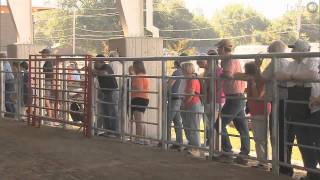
280	64
205	89
299	70
9	88
191	104
176	87
108	85
48	81
233	107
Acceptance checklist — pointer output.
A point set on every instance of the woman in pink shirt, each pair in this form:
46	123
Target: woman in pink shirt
259	111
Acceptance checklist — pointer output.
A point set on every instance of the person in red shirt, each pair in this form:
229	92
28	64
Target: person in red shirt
259	111
191	102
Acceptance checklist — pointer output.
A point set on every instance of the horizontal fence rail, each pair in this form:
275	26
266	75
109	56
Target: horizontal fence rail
163	119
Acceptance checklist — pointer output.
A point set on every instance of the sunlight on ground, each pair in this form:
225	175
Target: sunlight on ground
235	141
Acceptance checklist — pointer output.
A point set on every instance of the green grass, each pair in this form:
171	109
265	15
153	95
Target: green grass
235	141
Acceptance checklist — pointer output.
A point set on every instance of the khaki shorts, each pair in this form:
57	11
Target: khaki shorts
51	91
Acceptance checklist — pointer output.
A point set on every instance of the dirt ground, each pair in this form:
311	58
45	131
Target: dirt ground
28	153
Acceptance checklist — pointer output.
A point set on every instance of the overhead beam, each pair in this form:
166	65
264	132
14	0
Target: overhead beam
21	12
131	17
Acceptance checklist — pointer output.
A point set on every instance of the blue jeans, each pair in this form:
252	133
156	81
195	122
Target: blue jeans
176	118
235	108
111	110
9	92
191	123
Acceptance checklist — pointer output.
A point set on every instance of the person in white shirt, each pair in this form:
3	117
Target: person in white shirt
312	157
278	65
297	73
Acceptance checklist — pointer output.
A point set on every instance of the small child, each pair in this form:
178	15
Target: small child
191	102
256	89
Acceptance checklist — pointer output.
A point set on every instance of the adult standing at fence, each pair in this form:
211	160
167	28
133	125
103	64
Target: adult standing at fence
108	85
9	88
26	90
313	156
298	71
235	104
280	64
176	88
140	86
206	91
48	81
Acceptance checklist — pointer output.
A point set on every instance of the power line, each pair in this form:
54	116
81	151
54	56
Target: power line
216	39
95	31
198	29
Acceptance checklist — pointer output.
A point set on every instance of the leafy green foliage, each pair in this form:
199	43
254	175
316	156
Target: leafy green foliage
182	30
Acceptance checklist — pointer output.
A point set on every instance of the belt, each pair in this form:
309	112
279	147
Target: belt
176	98
237	94
282	87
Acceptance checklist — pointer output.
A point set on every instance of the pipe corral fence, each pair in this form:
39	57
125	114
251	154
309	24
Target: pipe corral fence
67	91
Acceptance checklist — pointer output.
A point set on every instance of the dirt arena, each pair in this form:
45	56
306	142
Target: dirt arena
51	153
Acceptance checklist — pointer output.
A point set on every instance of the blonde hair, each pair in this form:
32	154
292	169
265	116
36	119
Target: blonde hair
188	67
277	47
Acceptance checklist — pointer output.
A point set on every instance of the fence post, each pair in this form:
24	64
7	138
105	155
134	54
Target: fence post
124	103
164	134
19	97
275	123
212	66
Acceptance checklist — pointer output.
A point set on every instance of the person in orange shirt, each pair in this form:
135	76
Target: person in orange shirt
191	103
140	86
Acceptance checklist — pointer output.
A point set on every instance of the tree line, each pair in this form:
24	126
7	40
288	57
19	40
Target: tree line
182	30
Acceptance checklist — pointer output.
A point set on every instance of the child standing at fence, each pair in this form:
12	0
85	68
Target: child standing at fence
139	99
259	111
191	102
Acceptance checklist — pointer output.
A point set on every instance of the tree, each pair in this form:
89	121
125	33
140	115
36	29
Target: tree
95	24
237	20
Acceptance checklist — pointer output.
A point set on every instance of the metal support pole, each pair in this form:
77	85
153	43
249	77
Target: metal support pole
74	32
213	134
124	104
19	95
164	105
275	123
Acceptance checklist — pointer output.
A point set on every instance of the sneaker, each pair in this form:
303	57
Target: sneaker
223	158
261	166
195	152
146	142
139	141
175	147
241	160
99	133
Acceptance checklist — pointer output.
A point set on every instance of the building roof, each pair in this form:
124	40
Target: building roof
5	9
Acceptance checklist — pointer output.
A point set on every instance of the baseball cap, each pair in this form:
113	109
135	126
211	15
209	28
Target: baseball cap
184	54
45	51
300	46
212	52
227	43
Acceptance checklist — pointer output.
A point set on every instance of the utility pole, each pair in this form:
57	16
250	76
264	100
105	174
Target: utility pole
299	16
74	32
